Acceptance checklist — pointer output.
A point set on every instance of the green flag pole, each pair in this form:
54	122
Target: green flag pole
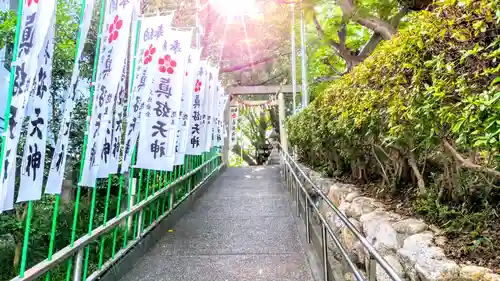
11	83
85	139
58	197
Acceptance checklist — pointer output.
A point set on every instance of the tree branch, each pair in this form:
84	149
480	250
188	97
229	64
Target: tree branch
350	11
467	164
339	48
378	26
327	63
376	38
251	64
325	79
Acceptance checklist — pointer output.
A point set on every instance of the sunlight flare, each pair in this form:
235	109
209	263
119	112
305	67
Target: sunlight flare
234	9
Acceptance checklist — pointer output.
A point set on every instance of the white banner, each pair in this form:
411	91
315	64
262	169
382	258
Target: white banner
210	90
32	167
234	110
151	36
58	163
110	155
35	23
114	45
193	61
212	116
219	137
194	137
156	150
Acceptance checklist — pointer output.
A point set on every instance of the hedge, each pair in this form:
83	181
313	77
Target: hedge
423	111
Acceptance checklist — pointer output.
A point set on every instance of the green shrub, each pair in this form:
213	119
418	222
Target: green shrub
423	110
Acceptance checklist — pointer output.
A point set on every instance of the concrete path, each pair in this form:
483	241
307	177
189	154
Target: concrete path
241	229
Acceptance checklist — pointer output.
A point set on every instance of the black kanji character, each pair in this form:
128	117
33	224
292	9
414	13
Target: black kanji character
93	153
66	128
102	95
34	160
27	35
35	123
195	141
164	88
127	148
118	123
132	125
158	148
197	102
97	124
20	79
106	149
195	129
12	121
41	87
162	110
107	67
6	165
137	104
160	128
46	55
60	158
116	147
196	116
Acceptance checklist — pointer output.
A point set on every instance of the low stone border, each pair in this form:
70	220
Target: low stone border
409	245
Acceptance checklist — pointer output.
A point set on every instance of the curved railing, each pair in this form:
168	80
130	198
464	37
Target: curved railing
291	171
175	193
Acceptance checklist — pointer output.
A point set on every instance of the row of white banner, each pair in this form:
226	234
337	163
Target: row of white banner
174	106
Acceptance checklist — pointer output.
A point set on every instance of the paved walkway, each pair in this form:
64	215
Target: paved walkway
241	229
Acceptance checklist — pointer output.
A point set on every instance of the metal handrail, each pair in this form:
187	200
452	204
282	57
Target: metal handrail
77	250
375	257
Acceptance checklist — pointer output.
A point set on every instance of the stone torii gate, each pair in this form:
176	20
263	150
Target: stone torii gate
281	90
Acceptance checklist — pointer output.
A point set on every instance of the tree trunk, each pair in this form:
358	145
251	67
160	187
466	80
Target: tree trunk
420	180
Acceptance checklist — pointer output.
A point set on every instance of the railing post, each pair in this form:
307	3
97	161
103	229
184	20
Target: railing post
172	199
77	273
139	224
133	197
297	196
282	117
372	276
308	225
325	251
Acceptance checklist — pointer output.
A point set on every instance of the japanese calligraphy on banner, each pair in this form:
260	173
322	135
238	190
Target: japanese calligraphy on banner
212	116
206	120
190	83
35	23
234	110
114	45
151	36
194	133
159	119
34	148
219	137
56	173
112	139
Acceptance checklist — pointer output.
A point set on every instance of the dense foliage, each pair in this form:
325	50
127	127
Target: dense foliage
422	111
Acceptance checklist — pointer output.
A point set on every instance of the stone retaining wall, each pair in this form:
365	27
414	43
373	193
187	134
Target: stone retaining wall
410	246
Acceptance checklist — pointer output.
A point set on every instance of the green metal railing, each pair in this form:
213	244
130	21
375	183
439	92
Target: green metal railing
152	196
80	238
